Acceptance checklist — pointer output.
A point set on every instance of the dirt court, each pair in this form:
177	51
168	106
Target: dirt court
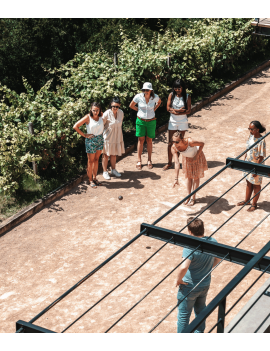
51	251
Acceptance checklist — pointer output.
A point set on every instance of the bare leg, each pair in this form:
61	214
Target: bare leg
95	168
113	161
196	183
189	187
149	147
249	190
90	165
256	188
105	159
140	148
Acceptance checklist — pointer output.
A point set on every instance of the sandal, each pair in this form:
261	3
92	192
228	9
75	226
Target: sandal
252	208
242	203
149	164
166	167
139	165
192	202
187	201
93	185
97	182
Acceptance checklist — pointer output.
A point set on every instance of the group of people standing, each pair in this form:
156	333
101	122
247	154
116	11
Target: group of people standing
104	133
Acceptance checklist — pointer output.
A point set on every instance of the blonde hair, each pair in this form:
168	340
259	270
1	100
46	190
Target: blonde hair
178	134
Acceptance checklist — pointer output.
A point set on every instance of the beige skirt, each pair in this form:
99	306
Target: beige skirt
113	148
194	169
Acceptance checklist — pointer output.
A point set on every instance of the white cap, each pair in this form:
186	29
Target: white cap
147	85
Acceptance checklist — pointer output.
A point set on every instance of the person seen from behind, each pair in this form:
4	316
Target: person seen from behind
191	272
93	140
113	137
179	106
256	155
147	103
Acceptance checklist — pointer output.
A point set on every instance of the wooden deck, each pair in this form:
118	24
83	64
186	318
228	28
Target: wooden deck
263	22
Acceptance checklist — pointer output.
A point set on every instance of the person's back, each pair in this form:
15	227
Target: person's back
194	270
201	264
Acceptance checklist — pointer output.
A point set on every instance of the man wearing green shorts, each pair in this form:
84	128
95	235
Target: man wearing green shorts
147	102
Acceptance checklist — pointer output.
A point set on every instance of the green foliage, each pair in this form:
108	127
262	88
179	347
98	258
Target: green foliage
209	46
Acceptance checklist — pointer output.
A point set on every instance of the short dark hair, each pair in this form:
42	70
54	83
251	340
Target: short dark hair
196	227
96	104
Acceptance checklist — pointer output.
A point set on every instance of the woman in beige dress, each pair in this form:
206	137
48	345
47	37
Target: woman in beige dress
113	137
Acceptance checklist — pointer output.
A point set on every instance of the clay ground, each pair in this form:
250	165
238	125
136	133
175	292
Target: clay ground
48	253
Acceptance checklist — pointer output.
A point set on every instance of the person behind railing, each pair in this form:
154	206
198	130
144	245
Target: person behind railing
256	155
147	103
113	137
93	140
179	105
193	162
190	273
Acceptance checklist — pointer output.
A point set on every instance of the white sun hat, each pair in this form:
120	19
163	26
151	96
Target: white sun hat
147	85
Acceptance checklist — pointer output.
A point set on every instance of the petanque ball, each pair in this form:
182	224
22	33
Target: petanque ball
120	197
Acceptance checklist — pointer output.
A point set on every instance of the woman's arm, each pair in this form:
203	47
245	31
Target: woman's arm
132	106
182	110
169	108
78	124
157	105
196	143
176	165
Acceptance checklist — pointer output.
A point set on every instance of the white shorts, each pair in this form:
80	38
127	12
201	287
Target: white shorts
178	125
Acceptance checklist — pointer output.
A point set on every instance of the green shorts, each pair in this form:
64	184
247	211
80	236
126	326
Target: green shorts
146	128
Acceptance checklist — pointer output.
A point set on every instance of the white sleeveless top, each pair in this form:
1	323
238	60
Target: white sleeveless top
190	151
95	127
178	102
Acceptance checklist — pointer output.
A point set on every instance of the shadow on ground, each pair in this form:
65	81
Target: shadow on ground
220	206
133	180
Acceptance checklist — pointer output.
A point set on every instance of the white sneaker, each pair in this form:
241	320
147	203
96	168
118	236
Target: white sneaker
115	173
106	175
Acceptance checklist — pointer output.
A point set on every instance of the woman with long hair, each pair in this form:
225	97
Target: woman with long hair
179	105
113	137
256	155
147	103
193	162
93	140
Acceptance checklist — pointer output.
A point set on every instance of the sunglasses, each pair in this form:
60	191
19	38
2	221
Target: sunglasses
145	90
115	106
252	129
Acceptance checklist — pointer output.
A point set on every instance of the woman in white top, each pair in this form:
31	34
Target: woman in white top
113	137
179	105
93	140
193	162
147	103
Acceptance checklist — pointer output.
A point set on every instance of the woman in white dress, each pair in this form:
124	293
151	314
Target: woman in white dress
113	137
179	105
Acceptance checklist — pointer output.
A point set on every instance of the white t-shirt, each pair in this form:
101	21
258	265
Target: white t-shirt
95	127
145	111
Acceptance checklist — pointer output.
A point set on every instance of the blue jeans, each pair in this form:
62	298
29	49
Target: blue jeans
195	299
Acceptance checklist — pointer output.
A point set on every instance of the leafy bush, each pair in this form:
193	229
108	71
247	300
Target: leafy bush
208	46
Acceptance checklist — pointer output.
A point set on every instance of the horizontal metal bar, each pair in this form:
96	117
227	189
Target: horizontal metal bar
246	166
236	255
27	327
227	289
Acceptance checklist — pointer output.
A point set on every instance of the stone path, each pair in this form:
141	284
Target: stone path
44	256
